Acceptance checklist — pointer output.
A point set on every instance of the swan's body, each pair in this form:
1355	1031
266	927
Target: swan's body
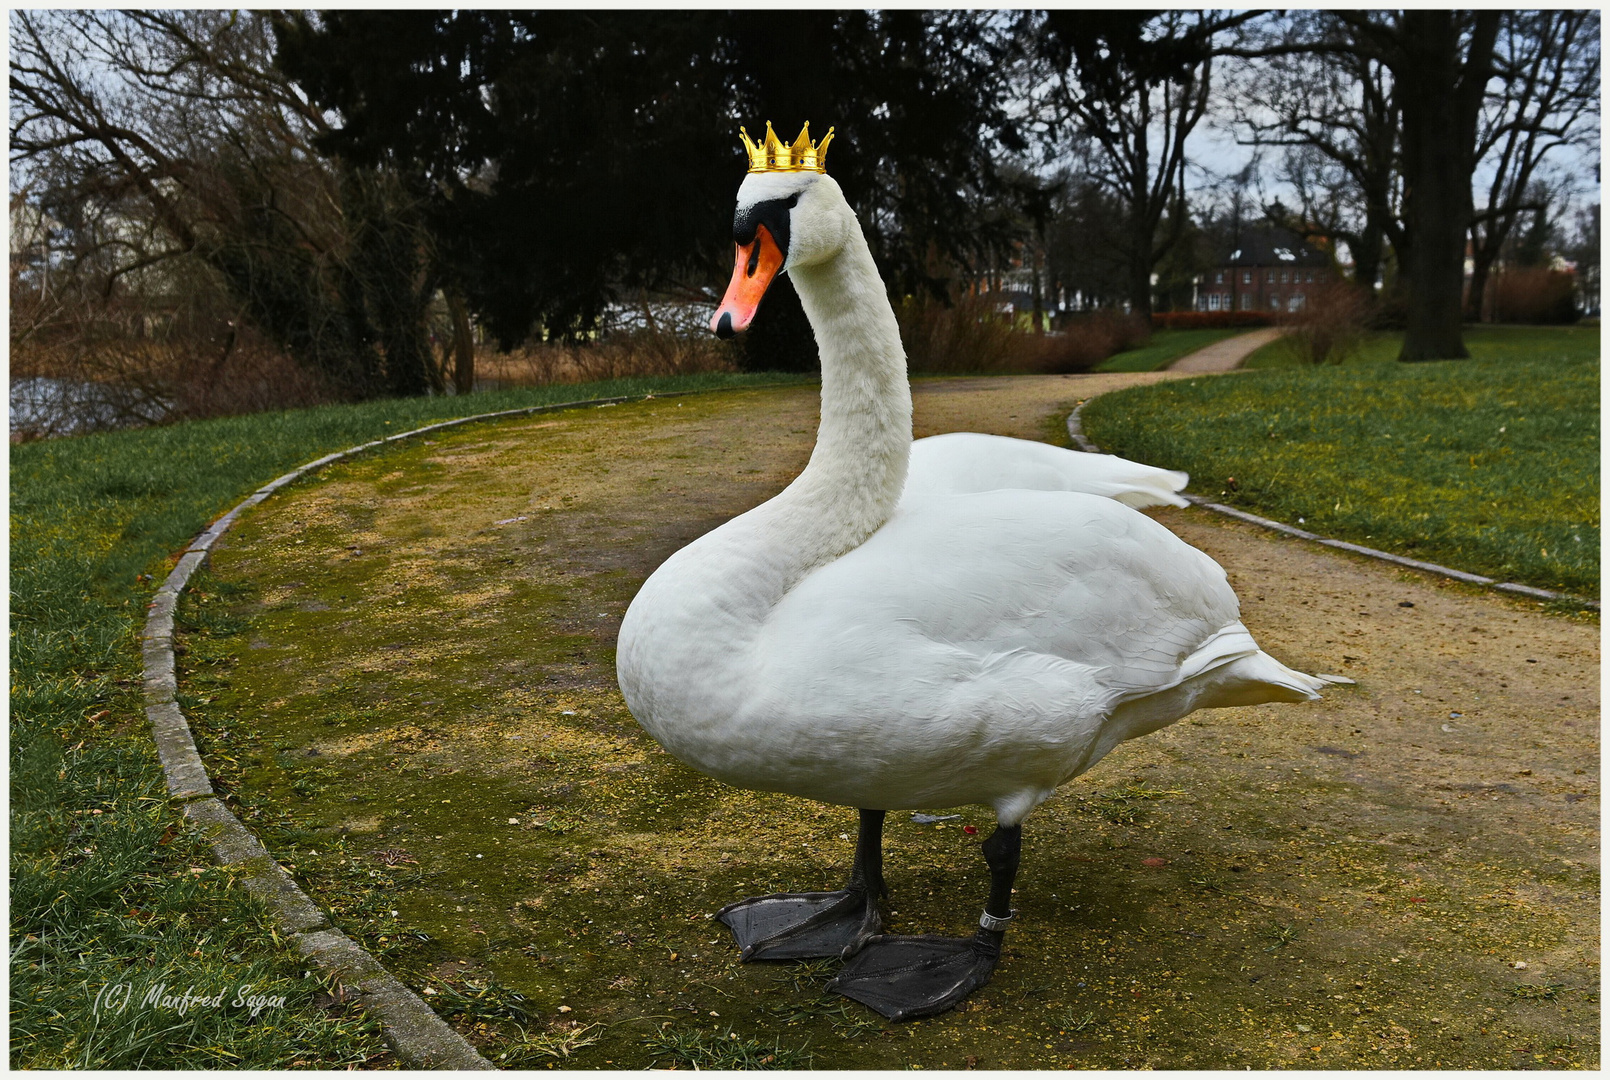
964	462
980	648
888	645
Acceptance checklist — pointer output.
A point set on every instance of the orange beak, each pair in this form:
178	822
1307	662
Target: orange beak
755	264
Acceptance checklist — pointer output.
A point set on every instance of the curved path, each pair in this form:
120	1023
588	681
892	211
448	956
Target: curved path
1225	355
429	672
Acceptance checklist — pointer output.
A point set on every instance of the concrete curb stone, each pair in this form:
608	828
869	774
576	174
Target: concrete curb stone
420	1038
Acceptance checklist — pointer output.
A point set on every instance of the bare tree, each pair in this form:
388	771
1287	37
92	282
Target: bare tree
1544	97
1585	252
1337	114
1136	85
1330	205
1439	63
1085	242
168	138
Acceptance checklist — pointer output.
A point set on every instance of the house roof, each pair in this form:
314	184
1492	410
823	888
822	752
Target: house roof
1266	245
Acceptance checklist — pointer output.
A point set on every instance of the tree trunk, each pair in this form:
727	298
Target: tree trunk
1039	297
463	344
1367	258
1142	235
1481	266
1441	93
1140	268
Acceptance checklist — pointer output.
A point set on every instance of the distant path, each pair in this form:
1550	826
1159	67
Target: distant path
1225	355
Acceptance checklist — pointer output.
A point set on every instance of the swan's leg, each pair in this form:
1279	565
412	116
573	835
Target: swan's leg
797	926
907	977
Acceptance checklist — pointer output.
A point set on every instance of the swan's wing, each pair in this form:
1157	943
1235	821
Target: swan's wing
964	462
1069	577
979	648
986	648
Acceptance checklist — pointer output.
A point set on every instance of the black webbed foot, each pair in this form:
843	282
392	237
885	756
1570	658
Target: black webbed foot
799	926
907	977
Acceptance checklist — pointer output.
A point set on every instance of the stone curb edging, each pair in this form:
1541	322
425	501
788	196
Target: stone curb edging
1082	441
420	1038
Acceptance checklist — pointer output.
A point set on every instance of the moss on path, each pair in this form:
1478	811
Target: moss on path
403	674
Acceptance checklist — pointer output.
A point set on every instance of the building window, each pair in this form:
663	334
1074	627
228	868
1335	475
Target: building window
1283	278
1246	301
1310	276
1218	279
1213	301
1246	277
1274	301
1270	277
1297	302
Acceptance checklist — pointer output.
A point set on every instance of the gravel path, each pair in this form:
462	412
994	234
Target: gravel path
1225	355
1401	875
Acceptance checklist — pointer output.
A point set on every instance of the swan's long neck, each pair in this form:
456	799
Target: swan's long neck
858	468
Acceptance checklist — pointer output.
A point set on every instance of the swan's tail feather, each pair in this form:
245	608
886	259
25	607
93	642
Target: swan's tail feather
964	462
1254	679
1147	486
1230	669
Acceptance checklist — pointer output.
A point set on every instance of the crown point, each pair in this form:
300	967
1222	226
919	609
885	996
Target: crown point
774	155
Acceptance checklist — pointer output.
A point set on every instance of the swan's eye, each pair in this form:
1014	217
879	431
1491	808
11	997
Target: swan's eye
772	213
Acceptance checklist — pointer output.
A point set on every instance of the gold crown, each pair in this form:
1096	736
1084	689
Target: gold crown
773	155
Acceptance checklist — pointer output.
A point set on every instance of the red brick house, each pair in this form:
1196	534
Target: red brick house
1268	269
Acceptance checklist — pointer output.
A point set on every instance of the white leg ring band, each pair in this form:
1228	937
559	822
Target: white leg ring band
994	922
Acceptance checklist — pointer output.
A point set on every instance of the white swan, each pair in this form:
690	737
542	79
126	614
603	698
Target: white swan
848	645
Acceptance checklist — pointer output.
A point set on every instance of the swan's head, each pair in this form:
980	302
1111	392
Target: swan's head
784	220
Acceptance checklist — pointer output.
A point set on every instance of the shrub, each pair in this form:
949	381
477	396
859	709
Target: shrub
1390	312
1330	327
1086	340
89	369
969	336
972	337
1210	320
649	350
1532	295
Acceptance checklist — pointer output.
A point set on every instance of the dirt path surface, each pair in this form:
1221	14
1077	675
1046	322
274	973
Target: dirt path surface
1225	355
403	675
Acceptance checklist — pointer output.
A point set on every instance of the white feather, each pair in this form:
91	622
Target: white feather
963	462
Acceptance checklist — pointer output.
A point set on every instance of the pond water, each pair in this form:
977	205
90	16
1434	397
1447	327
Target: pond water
45	408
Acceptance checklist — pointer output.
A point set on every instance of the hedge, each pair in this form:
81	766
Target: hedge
1210	320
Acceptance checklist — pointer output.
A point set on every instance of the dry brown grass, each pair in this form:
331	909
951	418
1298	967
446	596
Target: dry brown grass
1532	295
1330	328
109	371
970	337
85	364
619	355
1087	340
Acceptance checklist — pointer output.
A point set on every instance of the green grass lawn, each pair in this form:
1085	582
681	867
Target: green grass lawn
1489	465
107	890
1484	343
1165	347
